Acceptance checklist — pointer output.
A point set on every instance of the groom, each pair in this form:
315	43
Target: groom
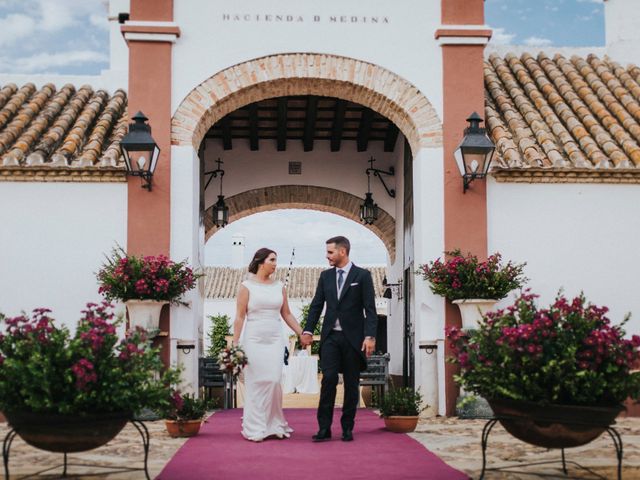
348	334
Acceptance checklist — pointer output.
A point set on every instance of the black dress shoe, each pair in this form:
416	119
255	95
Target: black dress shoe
347	436
322	436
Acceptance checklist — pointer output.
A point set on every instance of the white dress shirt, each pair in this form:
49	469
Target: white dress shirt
345	269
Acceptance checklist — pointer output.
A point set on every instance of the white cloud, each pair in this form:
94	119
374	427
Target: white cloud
15	27
49	62
99	21
501	37
590	1
537	42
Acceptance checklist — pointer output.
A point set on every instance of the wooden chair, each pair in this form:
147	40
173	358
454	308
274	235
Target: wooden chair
376	375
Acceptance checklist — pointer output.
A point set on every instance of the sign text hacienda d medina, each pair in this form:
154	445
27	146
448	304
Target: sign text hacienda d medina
279	18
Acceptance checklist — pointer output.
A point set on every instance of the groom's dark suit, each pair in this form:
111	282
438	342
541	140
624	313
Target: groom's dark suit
341	351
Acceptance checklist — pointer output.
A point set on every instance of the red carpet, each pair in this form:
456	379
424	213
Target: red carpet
219	452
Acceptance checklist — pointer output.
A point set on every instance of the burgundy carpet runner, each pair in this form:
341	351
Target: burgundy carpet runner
219	453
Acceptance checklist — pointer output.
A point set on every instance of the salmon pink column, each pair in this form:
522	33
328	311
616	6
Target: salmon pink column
462	37
150	35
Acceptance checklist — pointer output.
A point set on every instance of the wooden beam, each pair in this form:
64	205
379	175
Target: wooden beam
253	127
282	124
225	126
338	125
310	123
365	129
390	137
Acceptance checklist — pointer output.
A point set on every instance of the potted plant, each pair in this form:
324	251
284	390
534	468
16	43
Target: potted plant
473	285
556	376
400	408
185	414
70	393
145	284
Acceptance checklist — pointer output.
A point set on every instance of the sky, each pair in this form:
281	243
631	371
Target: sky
72	37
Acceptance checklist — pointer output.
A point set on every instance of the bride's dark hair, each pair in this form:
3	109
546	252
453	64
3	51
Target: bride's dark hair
258	259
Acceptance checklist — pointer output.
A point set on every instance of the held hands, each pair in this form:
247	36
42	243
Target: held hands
369	346
306	340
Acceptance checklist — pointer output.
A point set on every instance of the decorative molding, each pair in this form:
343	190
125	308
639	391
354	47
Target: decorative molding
62	174
150	31
545	175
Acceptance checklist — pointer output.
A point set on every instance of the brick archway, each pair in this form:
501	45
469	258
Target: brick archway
307	74
306	197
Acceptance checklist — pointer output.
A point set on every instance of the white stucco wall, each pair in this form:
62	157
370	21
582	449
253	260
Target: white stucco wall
579	237
53	238
621	19
204	47
343	170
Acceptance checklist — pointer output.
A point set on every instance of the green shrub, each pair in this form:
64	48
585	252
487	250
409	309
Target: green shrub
218	330
401	402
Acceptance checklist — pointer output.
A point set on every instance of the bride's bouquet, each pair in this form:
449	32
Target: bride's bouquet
232	360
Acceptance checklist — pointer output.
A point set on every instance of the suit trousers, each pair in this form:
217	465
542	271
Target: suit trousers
338	355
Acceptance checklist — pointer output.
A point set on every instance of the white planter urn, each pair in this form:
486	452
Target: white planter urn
144	313
472	309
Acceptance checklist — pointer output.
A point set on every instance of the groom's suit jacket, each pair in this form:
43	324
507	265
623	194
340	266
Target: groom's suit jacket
356	307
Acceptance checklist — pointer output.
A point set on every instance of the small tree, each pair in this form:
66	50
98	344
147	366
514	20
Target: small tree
315	347
218	330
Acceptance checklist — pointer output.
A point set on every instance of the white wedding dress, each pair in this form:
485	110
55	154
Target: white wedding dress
263	342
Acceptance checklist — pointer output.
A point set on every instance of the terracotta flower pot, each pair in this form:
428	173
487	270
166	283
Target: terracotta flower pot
553	426
183	428
400	424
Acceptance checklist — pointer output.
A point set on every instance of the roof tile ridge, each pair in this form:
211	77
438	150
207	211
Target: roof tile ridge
25	142
6	93
508	108
54	135
505	146
15	103
532	113
603	104
554	89
602	125
615	96
74	139
102	128
111	155
628	88
21	121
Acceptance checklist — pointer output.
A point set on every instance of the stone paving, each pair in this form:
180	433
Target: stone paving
456	441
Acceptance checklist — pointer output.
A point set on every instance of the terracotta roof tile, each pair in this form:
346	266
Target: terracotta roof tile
61	128
559	114
223	282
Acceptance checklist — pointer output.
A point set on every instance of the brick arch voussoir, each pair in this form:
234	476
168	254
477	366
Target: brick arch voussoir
309	198
307	74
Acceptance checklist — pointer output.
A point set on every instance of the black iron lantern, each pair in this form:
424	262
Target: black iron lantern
220	210
368	210
220	213
475	152
140	150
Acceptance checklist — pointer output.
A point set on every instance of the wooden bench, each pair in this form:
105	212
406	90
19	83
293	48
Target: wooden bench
376	375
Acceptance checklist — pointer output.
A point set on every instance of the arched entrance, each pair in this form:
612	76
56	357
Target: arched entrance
306	197
319	75
307	74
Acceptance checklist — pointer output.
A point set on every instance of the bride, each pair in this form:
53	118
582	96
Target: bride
257	328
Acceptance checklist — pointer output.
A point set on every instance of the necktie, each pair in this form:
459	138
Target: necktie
340	279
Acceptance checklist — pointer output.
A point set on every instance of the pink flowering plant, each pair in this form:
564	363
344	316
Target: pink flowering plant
186	407
568	353
129	277
465	276
46	369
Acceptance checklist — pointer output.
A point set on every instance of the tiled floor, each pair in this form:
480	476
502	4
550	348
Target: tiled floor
456	441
